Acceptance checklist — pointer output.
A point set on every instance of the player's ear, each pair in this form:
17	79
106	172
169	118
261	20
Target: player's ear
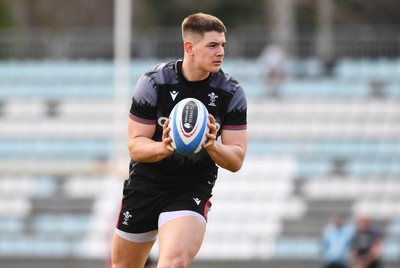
188	46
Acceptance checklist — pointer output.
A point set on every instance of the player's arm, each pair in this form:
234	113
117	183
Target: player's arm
141	146
230	152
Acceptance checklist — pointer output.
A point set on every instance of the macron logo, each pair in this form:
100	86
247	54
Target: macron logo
173	94
197	200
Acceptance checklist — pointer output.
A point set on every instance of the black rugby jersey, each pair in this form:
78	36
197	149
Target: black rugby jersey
155	95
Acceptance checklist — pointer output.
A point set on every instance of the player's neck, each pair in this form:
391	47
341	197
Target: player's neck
192	73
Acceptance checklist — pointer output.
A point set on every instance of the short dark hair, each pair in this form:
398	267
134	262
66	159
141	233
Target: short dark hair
200	23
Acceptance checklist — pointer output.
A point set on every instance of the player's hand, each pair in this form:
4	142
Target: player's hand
166	139
212	134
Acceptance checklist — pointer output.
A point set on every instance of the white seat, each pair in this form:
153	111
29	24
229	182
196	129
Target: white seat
18	207
17	185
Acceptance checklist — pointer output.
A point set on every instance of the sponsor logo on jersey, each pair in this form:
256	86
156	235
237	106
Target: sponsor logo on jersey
173	94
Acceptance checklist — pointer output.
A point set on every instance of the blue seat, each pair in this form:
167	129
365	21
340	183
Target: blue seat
56	149
38	246
64	224
314	167
11	225
297	248
45	187
327	149
393	228
391	250
375	167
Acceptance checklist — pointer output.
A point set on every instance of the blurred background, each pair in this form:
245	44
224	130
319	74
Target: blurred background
322	79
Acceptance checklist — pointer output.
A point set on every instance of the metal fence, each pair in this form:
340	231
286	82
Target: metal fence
165	42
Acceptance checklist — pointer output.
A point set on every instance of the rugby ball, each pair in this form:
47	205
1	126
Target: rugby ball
188	122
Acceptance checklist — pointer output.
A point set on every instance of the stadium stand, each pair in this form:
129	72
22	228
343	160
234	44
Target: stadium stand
325	145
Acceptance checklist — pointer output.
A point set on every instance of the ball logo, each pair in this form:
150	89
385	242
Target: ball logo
189	118
188	122
187	126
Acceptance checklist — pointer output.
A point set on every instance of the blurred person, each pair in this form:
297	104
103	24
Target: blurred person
377	89
274	62
366	247
167	195
335	242
329	66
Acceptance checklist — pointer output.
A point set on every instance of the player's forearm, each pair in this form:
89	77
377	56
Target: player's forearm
142	149
230	157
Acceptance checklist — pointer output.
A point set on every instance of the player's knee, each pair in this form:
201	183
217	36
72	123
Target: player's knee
179	262
174	262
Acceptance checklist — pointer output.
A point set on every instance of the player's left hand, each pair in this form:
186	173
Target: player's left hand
166	139
212	134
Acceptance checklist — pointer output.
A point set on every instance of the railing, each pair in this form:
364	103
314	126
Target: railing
165	42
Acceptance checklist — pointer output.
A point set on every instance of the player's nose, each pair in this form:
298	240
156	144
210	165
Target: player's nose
221	51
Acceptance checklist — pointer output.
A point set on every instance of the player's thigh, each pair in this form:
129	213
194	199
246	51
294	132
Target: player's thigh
129	254
180	239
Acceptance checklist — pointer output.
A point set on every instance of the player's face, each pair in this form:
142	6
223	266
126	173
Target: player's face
210	51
